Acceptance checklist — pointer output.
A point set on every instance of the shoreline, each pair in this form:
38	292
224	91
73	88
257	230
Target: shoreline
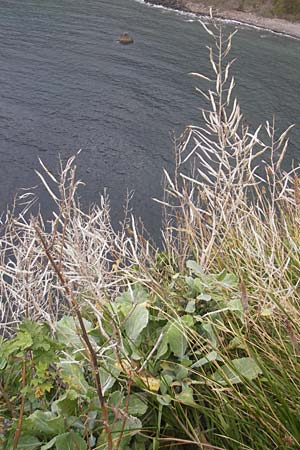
280	26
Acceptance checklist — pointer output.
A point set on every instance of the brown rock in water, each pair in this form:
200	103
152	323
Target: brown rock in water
125	39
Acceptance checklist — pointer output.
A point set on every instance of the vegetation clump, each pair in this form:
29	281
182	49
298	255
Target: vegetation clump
286	7
112	343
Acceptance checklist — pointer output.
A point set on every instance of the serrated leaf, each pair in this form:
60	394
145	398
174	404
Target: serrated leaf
21	342
238	369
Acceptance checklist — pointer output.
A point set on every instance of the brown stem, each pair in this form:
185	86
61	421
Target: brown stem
84	336
20	418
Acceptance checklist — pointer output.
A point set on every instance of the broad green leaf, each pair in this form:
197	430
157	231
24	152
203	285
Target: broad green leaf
108	378
137	320
70	441
211	356
204	297
195	267
92	422
237	308
186	396
209	333
72	374
198	285
137	295
128	429
140	295
165	382
3	360
188	320
116	399
190	282
67	332
236	342
152	383
49	444
237	370
139	443
191	306
137	405
108	370
66	404
177	340
42	423
27	442
180	372
163	347
227	280
164	399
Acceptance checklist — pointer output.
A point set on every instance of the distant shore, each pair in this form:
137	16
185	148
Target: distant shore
248	18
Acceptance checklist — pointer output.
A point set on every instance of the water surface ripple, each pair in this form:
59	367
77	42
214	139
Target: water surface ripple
66	84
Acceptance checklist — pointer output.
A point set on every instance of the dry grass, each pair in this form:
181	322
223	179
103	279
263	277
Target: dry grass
228	205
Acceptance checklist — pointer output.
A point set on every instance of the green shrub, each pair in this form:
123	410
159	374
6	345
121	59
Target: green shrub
286	7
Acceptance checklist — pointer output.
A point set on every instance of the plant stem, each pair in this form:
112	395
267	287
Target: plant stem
92	354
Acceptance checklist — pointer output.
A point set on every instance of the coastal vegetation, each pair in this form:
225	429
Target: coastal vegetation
286	9
111	342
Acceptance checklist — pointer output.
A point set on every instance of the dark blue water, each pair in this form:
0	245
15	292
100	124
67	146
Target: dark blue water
66	84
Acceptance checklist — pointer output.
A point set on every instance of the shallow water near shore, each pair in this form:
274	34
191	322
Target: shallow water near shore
66	84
